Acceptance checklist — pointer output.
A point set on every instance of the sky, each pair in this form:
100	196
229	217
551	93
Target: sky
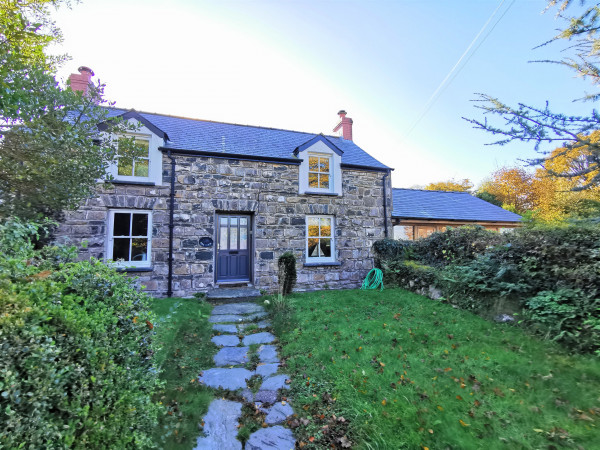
295	64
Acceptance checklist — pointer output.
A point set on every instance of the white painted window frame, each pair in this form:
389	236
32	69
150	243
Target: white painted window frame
330	173
320	260
135	177
155	157
110	238
335	171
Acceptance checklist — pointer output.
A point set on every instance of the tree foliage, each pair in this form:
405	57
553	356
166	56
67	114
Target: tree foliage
451	185
514	188
541	125
552	198
51	152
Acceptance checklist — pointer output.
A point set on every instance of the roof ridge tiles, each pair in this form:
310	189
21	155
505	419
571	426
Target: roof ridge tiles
217	121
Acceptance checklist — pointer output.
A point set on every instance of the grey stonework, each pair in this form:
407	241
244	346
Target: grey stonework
268	191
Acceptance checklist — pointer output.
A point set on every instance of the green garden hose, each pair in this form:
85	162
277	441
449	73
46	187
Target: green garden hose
373	280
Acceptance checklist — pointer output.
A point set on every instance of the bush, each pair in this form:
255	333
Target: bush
388	249
408	274
553	273
286	273
76	368
568	317
455	245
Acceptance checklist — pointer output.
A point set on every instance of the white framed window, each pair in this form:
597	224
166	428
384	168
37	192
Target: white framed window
319	172
135	163
320	239
130	237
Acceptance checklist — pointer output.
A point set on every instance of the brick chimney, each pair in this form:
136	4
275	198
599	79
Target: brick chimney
345	124
80	82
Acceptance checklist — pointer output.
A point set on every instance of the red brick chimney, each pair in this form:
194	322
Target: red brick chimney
345	124
80	82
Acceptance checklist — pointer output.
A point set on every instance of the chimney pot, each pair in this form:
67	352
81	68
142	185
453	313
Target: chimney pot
82	69
345	125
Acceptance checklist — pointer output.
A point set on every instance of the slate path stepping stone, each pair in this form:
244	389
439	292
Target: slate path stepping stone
220	426
261	324
225	318
231	379
231	356
225	328
226	340
266	396
278	413
238	308
275	382
265	370
222	420
275	438
268	354
258	315
259	338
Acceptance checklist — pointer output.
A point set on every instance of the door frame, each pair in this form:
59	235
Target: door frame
250	216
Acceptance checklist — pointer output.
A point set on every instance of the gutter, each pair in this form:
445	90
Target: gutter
366	168
441	219
221	155
385	199
171	226
258	158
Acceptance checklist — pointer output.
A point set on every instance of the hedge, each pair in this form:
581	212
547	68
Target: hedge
76	338
553	273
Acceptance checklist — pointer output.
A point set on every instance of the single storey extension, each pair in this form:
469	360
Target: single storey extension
418	213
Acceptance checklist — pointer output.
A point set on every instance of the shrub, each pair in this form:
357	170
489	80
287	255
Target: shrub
553	273
568	317
408	274
482	283
286	272
76	368
387	249
455	245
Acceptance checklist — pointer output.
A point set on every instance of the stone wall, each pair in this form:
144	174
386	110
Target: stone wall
206	186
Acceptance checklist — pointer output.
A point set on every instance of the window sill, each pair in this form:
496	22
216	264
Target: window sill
135	269
323	264
330	194
138	183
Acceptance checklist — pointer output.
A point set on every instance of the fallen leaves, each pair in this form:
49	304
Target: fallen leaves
344	442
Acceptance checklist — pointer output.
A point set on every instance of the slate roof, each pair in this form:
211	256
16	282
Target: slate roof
244	140
421	204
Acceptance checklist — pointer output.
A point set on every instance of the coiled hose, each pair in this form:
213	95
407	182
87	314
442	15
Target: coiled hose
373	280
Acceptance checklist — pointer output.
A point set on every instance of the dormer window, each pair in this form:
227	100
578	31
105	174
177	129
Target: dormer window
319	172
139	158
135	162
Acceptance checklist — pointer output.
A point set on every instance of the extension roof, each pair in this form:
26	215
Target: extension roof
244	140
445	205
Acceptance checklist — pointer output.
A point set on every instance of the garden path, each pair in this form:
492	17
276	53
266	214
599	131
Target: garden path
222	420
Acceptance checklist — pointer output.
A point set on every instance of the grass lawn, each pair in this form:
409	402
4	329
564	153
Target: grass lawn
183	335
393	370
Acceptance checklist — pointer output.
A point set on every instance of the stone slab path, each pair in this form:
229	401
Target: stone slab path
222	420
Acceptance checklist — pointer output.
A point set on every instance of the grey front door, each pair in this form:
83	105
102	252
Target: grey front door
233	248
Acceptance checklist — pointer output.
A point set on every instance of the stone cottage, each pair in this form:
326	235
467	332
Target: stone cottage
205	204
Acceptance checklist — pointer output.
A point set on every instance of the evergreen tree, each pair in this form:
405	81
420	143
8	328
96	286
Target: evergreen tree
540	125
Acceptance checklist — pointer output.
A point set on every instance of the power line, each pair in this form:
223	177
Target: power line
444	84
